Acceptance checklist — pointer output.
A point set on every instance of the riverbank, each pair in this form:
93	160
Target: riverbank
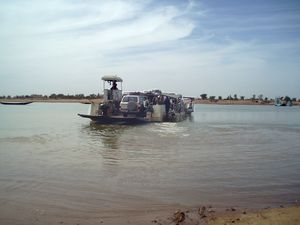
196	101
237	102
213	216
206	215
160	215
279	216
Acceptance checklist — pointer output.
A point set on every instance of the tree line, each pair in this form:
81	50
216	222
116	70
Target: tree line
253	98
94	96
52	96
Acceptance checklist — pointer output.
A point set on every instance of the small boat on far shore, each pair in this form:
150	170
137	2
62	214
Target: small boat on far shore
15	103
283	101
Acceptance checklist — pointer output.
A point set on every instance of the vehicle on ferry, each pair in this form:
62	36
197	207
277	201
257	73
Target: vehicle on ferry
137	107
133	104
283	101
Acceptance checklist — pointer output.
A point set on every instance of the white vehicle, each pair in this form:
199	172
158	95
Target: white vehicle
133	104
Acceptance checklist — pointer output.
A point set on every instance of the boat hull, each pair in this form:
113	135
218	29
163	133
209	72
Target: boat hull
115	119
15	103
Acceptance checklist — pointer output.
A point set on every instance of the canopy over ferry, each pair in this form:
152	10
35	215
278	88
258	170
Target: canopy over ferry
137	107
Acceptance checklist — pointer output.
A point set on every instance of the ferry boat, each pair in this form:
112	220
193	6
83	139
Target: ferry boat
137	107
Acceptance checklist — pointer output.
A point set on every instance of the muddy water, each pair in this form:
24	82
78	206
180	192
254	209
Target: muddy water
54	164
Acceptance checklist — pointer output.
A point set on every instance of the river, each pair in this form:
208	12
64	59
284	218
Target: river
54	163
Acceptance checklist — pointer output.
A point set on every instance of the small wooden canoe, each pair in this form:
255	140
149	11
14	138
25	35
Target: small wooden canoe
15	103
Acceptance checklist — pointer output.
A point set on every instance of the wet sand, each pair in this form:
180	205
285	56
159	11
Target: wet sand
162	215
279	216
208	215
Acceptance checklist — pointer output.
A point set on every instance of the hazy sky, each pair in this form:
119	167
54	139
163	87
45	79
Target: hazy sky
190	47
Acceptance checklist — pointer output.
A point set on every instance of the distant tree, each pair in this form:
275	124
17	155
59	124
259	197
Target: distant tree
60	96
203	96
212	98
294	99
229	97
92	96
220	97
79	96
242	98
254	97
260	97
235	97
53	96
71	96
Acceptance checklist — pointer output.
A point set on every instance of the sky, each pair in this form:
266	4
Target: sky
216	47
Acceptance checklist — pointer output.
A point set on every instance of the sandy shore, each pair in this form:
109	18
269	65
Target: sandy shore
166	215
237	102
284	216
208	215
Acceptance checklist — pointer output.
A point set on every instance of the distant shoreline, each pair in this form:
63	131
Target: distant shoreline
83	101
196	101
233	102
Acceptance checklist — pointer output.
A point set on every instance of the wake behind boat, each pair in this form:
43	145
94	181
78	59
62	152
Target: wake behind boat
137	107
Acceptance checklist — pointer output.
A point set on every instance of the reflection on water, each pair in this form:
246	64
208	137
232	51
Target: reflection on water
105	140
108	134
190	118
232	155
